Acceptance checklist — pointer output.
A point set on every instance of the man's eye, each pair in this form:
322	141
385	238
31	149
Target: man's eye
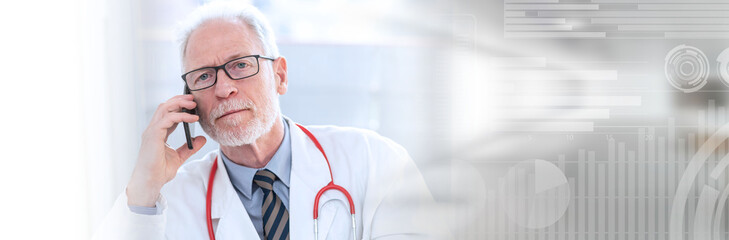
204	77
241	65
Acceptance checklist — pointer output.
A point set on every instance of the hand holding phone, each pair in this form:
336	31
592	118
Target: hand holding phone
157	162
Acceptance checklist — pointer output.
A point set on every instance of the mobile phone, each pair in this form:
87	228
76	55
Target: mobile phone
187	125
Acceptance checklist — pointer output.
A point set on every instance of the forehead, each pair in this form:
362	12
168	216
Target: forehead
216	41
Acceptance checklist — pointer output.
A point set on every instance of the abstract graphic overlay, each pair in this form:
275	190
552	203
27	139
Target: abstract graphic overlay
687	68
712	199
723	66
535	193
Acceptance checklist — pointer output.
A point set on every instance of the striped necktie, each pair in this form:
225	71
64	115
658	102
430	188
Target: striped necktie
275	215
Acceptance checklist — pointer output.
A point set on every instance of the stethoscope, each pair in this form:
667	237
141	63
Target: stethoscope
330	186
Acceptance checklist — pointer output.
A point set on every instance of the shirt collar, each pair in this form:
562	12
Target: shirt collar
280	164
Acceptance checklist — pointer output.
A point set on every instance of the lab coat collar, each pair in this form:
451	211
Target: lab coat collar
232	218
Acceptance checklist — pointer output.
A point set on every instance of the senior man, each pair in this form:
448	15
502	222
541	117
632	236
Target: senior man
263	181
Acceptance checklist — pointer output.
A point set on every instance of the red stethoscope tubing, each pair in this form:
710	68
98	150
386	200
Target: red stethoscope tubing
209	197
330	186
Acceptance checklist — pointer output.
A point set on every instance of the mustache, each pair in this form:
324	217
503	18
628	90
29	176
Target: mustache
231	105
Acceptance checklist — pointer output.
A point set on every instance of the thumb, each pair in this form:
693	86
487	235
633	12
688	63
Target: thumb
197	143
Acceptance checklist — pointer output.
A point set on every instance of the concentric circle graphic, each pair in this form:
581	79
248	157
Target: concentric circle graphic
535	193
723	63
709	210
687	68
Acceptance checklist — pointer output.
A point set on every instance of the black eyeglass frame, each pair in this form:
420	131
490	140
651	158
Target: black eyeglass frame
216	68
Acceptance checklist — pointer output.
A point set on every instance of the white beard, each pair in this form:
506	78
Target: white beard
234	131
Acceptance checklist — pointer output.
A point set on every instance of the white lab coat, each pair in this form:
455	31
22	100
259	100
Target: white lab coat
390	196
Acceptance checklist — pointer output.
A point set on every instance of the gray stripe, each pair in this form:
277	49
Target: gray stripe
273	215
266	203
281	224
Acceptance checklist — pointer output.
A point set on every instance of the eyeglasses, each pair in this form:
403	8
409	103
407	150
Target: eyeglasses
236	69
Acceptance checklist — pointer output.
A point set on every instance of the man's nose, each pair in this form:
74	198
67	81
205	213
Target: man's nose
224	88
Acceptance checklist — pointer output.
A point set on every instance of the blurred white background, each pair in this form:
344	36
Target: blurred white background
43	178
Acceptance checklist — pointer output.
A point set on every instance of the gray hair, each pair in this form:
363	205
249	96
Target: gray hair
230	10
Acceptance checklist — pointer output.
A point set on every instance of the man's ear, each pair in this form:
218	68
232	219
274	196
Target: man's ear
281	75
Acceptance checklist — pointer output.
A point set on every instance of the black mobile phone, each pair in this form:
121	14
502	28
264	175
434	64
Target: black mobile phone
187	125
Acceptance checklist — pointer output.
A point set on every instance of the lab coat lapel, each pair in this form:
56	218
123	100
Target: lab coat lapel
233	221
309	173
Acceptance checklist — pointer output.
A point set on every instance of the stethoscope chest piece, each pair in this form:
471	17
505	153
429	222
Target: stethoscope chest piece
332	186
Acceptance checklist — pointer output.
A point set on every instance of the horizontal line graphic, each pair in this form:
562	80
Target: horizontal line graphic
683	7
544	127
542	113
551	7
557	75
660	20
535	21
665	28
590	14
538	28
693	35
554	34
569	101
520	62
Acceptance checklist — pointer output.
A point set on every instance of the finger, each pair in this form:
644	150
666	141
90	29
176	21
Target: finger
170	119
183	96
197	143
174	104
